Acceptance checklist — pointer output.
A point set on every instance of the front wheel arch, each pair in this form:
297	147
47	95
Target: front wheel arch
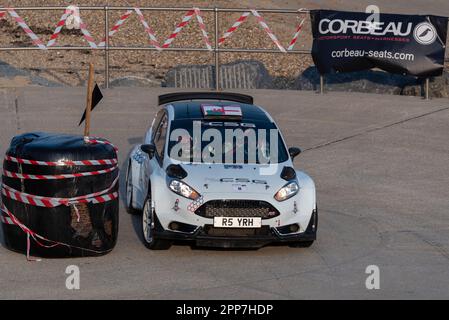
150	220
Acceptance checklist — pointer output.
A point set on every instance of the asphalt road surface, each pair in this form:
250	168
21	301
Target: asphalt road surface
381	166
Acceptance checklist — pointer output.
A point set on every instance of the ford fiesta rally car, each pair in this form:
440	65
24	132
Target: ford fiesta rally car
214	169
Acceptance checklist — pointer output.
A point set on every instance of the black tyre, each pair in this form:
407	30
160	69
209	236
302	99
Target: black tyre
301	244
129	193
148	223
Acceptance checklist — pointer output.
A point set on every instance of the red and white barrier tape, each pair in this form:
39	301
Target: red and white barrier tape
296	35
234	27
117	26
28	31
5	220
179	27
15	175
261	22
12	220
185	20
267	29
153	40
63	162
202	25
59	26
93	140
97	197
48	202
151	34
90	40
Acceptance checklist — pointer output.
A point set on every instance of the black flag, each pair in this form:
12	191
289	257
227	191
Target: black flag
96	98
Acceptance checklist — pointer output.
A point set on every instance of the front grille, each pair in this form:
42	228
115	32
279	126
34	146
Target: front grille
236	232
237	208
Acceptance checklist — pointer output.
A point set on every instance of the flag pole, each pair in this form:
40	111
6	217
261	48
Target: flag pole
90	84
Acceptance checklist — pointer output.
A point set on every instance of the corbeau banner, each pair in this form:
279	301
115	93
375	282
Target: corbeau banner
404	44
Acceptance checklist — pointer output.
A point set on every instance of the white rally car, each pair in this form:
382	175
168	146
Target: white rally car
214	169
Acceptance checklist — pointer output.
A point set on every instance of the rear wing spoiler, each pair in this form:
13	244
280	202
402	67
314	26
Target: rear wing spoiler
227	96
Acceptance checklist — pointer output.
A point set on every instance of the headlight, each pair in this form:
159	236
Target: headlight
287	191
183	189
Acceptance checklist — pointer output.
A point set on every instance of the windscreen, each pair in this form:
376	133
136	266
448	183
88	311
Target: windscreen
204	141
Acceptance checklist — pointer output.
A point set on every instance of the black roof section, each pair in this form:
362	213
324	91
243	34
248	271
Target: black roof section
192	110
183	96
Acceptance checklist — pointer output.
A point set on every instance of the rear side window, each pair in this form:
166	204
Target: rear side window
160	136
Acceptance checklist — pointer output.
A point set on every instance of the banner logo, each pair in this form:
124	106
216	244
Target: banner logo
425	33
364	27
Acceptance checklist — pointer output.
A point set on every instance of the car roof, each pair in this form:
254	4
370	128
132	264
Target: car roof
192	110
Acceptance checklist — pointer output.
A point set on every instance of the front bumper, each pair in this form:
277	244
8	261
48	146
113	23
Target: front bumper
201	236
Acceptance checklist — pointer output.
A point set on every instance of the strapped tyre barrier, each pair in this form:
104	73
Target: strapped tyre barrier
60	195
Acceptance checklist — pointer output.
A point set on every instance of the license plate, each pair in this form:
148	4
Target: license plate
237	222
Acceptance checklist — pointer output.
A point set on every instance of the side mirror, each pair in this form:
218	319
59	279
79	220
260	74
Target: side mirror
294	151
149	149
176	171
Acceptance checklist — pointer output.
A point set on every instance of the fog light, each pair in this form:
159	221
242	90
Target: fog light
174	226
294	228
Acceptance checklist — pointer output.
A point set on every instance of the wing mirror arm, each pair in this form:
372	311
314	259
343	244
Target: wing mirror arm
294	152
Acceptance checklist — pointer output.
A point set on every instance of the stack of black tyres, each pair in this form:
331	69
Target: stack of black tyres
90	229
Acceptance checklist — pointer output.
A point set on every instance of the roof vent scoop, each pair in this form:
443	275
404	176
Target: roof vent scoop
176	171
288	173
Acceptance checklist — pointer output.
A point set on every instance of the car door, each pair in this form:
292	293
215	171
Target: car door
145	168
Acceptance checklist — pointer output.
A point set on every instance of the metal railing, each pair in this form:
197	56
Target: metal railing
216	50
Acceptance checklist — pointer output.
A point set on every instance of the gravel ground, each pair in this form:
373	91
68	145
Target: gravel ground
69	67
